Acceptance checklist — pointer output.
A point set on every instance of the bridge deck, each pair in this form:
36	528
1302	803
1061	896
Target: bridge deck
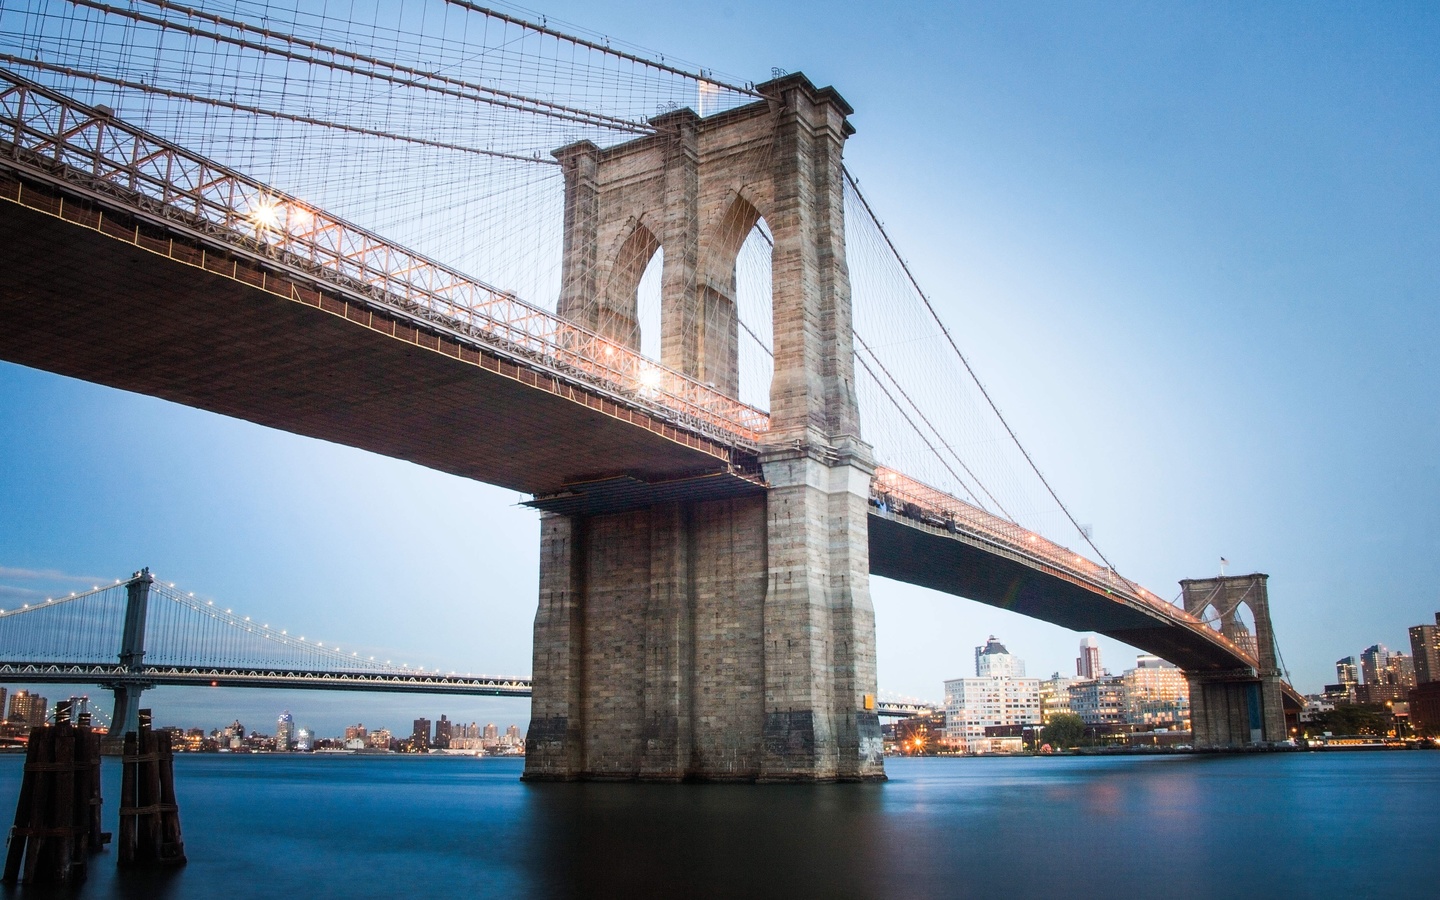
93	298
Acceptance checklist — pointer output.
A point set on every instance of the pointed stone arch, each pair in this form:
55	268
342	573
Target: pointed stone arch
617	316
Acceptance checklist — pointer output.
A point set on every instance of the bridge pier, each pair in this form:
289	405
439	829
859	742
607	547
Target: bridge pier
718	639
1233	710
726	640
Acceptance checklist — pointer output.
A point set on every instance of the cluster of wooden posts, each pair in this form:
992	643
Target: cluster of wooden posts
57	821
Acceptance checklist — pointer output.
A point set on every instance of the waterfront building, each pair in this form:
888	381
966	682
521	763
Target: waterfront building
1087	666
1157	694
1099	701
490	736
442	733
379	739
1342	694
1054	696
1425	708
3	694
356	733
1424	646
420	733
284	732
304	740
27	708
513	737
995	696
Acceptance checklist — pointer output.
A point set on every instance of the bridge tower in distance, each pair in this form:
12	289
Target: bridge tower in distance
718	638
1236	709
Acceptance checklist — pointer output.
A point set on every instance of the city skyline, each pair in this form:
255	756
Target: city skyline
1100	204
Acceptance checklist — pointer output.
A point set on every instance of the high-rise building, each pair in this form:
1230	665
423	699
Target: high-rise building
992	659
490	737
3	694
27	708
995	698
1087	667
513	737
356	732
420	733
1424	645
442	733
304	740
1157	694
1372	663
284	732
1400	671
1099	701
1054	696
1346	671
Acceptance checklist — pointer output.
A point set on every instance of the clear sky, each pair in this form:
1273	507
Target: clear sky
1193	250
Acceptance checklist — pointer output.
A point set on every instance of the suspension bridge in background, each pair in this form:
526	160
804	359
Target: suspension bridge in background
699	304
142	633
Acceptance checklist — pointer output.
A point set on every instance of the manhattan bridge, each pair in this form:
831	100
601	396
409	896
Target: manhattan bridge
649	296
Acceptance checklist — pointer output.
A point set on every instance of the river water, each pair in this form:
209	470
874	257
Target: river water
1273	825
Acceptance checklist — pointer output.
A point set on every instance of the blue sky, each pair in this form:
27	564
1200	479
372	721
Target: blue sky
1192	250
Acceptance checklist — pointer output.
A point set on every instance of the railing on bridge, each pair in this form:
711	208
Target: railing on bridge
894	491
55	137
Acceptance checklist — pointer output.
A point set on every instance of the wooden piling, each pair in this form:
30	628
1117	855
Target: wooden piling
149	814
57	820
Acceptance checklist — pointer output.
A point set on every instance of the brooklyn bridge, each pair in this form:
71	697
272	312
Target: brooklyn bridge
718	472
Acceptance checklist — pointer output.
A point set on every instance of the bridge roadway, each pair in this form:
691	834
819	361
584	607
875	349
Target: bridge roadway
123	292
112	674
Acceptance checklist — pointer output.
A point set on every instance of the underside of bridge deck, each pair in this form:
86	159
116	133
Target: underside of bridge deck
912	553
80	302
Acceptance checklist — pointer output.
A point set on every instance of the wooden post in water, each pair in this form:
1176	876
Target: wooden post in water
57	821
149	815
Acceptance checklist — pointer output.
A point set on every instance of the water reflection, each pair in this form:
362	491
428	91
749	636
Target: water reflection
1172	826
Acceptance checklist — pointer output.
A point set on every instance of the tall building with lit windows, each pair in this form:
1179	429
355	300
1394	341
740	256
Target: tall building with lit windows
1157	694
27	708
999	694
1424	646
285	736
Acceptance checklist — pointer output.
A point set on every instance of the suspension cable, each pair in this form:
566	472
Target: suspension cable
476	94
601	48
261	111
966	363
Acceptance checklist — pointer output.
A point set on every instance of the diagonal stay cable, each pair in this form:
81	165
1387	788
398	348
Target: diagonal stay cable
946	444
855	185
261	111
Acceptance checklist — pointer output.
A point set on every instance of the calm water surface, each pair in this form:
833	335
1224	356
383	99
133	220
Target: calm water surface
1282	825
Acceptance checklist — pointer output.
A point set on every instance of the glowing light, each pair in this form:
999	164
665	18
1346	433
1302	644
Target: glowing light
264	214
649	378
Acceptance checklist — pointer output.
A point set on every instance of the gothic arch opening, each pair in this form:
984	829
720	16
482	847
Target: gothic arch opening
619	317
648	305
736	304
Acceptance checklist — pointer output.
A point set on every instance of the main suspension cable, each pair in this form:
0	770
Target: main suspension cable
966	363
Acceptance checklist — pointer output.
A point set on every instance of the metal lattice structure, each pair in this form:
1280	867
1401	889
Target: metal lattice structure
88	148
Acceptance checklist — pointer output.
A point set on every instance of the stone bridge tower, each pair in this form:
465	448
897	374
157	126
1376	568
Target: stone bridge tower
1244	707
726	639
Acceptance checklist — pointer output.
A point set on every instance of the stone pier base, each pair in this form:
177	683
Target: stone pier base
1234	713
726	640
